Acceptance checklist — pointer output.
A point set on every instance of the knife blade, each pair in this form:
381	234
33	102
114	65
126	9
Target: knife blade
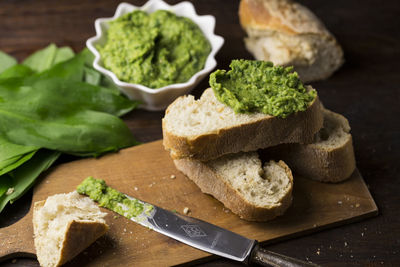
188	230
194	232
209	237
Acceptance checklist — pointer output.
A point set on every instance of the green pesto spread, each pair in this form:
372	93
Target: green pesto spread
259	86
112	199
154	49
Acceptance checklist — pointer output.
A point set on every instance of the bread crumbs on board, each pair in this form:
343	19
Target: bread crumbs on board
186	210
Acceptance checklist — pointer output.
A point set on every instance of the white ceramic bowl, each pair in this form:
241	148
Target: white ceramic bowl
160	98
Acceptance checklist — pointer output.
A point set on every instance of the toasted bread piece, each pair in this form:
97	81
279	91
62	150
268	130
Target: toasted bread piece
289	34
64	225
330	158
206	129
239	181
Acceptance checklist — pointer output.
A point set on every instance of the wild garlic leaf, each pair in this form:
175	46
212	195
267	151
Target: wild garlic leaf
46	58
6	182
16	71
63	54
55	100
55	110
6	61
92	76
24	177
71	117
41	59
14	163
13	155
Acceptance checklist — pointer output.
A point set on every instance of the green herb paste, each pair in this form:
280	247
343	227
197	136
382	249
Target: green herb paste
112	199
154	49
259	86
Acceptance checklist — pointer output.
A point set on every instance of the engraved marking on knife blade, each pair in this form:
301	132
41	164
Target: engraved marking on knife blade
215	241
193	230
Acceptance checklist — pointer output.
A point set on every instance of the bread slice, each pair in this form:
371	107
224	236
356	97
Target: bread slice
330	158
239	181
289	34
64	225
206	129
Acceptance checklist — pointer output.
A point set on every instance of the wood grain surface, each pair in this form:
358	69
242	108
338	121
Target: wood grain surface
145	172
366	90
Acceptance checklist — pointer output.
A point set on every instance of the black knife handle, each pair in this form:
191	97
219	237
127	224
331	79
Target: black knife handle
264	257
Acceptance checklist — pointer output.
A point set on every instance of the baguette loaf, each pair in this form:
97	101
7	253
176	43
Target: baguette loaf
239	181
64	225
330	158
287	33
206	129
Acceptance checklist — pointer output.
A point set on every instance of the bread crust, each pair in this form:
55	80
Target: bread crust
210	183
77	237
298	127
324	164
282	19
279	15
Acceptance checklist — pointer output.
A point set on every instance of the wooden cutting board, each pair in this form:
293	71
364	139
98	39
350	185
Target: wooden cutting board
145	172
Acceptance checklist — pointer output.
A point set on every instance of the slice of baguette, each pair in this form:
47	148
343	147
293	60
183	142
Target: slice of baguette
239	181
206	129
330	158
289	34
64	225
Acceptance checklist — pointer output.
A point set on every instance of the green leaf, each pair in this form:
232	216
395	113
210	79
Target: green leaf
92	76
86	131
46	58
108	83
71	70
55	100
24	177
6	61
11	154
11	157
16	71
42	59
44	110
16	162
89	57
63	54
104	80
5	183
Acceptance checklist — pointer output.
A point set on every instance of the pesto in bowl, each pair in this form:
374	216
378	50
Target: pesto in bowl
155	49
258	86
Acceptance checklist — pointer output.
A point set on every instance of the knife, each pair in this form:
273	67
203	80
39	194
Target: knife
210	238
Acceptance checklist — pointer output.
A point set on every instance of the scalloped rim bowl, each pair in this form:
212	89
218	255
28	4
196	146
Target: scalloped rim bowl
160	98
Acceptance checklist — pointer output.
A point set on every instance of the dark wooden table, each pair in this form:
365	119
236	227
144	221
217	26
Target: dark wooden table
366	90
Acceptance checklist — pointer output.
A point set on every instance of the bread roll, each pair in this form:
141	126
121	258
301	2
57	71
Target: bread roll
289	34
